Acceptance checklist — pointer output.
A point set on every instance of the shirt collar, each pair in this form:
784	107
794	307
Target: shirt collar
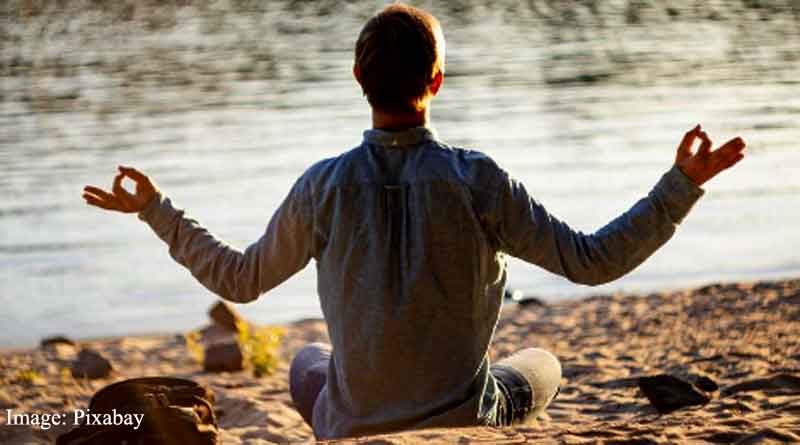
406	137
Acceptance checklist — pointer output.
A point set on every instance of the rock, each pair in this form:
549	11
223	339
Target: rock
215	333
531	302
225	316
668	393
700	381
55	340
705	383
221	357
522	300
59	349
91	364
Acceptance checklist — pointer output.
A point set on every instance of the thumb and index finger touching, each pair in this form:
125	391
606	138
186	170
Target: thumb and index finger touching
685	147
729	151
705	144
707	163
132	173
118	189
119	198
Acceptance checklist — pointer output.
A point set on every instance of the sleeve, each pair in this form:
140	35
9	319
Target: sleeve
529	232
284	249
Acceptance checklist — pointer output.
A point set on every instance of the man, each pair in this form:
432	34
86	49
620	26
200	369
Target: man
409	237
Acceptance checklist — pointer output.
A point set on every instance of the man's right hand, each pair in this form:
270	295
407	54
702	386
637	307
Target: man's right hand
705	164
120	200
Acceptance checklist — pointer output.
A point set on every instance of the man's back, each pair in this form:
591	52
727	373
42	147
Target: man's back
407	234
409	284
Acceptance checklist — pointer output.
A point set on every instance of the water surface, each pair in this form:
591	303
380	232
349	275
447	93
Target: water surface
226	104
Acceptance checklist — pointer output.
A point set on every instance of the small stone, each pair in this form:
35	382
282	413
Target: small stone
222	357
531	302
224	315
668	393
705	383
523	300
91	364
55	340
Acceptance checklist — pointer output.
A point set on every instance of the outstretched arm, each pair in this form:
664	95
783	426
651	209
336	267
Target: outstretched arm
527	231
284	249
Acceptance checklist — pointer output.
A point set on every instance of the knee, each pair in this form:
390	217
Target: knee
307	359
541	369
548	381
547	360
537	362
310	353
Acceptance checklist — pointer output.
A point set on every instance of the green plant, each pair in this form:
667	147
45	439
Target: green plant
194	346
28	376
260	346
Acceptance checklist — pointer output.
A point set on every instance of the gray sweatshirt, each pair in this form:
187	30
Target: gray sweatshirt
410	237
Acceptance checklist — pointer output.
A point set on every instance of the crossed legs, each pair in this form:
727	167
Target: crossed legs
528	381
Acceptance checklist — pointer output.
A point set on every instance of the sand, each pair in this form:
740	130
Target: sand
744	336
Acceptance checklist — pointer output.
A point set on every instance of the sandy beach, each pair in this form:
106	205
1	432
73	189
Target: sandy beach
742	336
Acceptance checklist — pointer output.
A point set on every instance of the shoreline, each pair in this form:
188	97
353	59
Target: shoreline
741	335
586	292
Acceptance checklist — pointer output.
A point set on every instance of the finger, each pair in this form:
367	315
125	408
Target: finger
685	148
124	198
102	195
119	190
117	186
132	173
732	147
98	192
731	161
99	202
705	145
105	197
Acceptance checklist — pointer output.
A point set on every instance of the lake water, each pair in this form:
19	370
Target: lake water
224	104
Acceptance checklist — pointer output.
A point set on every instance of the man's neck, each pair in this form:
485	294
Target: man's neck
398	121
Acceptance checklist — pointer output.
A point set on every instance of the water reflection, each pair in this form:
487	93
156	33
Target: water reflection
225	103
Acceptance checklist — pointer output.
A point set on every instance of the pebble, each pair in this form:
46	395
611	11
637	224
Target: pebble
91	364
222	357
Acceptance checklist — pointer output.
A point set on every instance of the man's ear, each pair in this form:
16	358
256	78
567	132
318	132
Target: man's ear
357	73
436	83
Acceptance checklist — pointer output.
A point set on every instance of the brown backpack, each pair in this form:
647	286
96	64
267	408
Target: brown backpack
176	412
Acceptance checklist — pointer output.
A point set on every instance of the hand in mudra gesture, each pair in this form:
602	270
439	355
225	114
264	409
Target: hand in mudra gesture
706	163
120	199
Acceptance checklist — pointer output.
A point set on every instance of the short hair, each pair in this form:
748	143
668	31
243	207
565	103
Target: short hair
398	56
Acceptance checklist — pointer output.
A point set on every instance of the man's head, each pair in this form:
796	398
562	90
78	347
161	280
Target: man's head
399	59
